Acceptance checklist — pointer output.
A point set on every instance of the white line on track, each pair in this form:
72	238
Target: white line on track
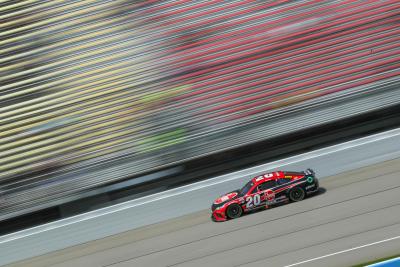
344	251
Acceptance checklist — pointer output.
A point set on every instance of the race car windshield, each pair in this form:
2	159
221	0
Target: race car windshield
246	188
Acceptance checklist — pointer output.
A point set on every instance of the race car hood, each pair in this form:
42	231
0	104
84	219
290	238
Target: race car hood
225	198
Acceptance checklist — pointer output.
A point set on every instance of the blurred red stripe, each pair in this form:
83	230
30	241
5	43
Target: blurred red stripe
296	59
279	51
313	81
259	28
238	22
245	45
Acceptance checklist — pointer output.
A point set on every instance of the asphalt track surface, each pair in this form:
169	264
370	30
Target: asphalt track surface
355	220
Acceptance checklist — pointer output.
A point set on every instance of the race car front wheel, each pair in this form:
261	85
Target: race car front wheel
234	211
297	194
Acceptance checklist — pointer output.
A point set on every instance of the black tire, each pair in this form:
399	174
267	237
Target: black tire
234	211
297	194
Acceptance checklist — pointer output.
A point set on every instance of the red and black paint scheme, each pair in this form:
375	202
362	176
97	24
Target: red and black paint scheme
265	191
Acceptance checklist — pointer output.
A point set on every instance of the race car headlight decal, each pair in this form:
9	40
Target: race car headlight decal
220	207
310	179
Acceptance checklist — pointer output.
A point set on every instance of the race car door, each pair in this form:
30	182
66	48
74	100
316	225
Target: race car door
261	195
267	190
255	199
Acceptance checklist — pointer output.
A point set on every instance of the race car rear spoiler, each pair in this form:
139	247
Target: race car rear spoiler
309	171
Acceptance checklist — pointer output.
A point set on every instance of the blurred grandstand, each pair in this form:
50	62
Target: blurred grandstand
97	91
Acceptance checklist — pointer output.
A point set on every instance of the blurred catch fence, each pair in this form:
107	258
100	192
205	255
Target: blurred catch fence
92	92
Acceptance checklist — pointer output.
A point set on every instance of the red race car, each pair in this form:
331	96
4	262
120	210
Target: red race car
265	191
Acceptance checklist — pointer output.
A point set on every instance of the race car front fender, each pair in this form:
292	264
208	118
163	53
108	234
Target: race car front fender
218	216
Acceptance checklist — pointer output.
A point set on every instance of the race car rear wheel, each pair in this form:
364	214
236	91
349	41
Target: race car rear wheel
297	194
234	211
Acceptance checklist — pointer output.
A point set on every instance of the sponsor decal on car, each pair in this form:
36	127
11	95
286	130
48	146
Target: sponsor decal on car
310	186
310	179
259	178
226	197
269	195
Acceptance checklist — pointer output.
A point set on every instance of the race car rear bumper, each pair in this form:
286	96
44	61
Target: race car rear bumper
315	187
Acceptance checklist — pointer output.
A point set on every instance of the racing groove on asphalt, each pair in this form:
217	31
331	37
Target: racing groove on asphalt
358	208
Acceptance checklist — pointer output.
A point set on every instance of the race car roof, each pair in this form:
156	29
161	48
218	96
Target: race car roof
275	175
